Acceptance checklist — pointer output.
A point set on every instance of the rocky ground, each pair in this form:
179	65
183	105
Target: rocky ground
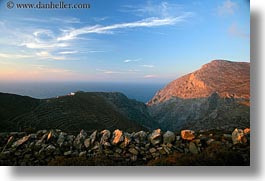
187	147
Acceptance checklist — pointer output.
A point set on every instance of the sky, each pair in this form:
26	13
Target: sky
121	41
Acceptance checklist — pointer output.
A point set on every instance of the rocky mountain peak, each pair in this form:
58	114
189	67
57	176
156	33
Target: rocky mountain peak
226	78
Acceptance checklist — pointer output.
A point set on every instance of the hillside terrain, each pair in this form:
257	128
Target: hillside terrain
217	96
73	112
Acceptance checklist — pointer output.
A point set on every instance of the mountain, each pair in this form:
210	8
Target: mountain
89	111
214	97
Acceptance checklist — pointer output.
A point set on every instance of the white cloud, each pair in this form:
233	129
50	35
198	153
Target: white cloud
148	66
98	29
132	60
68	52
34	45
227	8
150	76
47	55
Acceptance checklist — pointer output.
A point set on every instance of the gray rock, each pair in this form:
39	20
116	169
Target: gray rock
227	136
21	141
79	140
127	139
61	138
87	142
82	154
133	151
105	136
178	138
152	150
41	132
209	141
50	149
90	141
93	137
134	158
168	137
67	153
192	148
140	137
155	137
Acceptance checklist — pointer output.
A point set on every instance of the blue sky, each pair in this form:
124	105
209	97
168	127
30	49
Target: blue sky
121	41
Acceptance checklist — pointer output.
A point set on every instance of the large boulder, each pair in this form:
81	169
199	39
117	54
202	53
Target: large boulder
168	137
79	140
237	136
90	141
127	140
117	137
192	148
140	137
61	138
155	137
187	135
21	141
105	137
247	131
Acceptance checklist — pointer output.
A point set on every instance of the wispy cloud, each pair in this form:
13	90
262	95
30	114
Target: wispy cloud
163	9
55	20
99	29
47	55
45	69
14	56
227	8
68	52
234	30
98	19
150	76
148	66
96	51
131	60
109	71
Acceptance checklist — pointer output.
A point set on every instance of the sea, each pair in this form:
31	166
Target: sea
142	92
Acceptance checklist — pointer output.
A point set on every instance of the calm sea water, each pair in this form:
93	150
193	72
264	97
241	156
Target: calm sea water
139	91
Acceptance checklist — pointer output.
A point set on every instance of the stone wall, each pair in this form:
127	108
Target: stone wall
20	148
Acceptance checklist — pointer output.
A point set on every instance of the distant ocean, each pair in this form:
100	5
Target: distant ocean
139	91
